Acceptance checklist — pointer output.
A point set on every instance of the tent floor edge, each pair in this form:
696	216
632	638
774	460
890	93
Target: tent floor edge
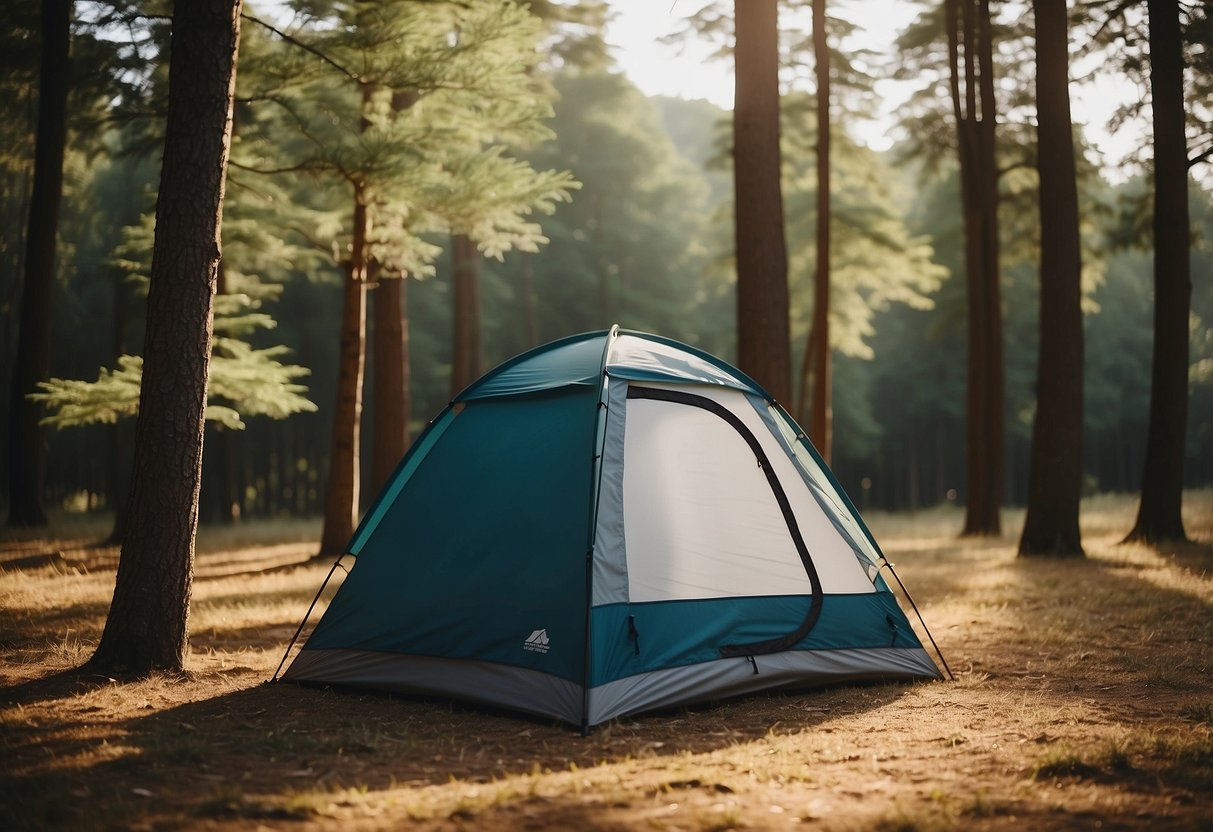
792	670
546	696
480	682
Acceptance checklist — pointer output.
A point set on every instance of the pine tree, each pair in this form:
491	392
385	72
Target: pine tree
434	163
763	346
952	46
147	625
26	439
817	351
243	380
1055	478
1160	514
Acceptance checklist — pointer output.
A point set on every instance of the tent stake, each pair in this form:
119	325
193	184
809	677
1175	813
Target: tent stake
308	615
925	628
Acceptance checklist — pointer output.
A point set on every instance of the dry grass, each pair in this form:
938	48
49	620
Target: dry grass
1081	700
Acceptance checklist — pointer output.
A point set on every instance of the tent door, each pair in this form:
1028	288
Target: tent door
784	642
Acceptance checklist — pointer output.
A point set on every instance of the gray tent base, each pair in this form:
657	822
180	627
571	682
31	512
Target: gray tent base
544	695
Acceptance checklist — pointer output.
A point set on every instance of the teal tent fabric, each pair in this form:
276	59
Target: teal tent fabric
494	516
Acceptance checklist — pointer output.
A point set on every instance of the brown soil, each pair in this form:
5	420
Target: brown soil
1082	700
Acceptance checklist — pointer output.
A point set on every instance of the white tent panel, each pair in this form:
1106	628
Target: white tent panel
701	519
630	354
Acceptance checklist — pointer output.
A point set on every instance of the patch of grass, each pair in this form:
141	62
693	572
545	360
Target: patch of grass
1185	761
1167	680
232	804
1092	670
1065	761
981	806
1179	760
725	820
1198	712
71	650
901	821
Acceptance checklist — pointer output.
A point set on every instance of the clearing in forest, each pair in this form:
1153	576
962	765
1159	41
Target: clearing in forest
1082	700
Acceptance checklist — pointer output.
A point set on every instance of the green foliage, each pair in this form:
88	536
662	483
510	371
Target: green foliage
630	249
416	104
467	134
1117	35
927	118
244	380
114	395
875	259
250	378
576	32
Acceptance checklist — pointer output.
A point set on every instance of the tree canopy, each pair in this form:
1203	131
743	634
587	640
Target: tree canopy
591	203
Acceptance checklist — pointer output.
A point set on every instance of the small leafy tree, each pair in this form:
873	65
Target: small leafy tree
243	380
412	108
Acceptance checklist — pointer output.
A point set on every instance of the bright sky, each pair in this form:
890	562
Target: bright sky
686	71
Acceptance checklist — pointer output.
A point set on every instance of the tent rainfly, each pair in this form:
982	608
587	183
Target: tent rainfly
611	523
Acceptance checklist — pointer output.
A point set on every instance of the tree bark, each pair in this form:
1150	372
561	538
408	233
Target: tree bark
763	345
220	462
465	318
968	25
342	497
341	503
1055	473
393	404
989	520
821	421
26	437
147	626
390	378
118	447
1159	515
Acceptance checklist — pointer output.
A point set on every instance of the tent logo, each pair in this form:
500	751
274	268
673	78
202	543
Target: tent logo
536	642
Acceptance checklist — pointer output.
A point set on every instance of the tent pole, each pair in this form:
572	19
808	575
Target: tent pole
925	628
601	415
306	616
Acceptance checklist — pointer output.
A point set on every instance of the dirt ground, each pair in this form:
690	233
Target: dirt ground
1082	700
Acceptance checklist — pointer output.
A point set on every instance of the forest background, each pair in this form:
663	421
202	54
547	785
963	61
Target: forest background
639	233
417	189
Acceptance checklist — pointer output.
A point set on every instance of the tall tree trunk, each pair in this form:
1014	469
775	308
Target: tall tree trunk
993	374
465	318
1055	472
147	626
390	377
763	346
118	447
1159	516
821	422
392	408
962	112
26	437
342	497
221	461
341	502
968	25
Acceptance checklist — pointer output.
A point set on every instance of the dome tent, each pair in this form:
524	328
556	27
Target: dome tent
607	524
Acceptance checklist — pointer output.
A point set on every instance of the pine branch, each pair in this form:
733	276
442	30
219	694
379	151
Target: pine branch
305	47
306	165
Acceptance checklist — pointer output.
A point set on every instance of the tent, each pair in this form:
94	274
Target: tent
611	523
